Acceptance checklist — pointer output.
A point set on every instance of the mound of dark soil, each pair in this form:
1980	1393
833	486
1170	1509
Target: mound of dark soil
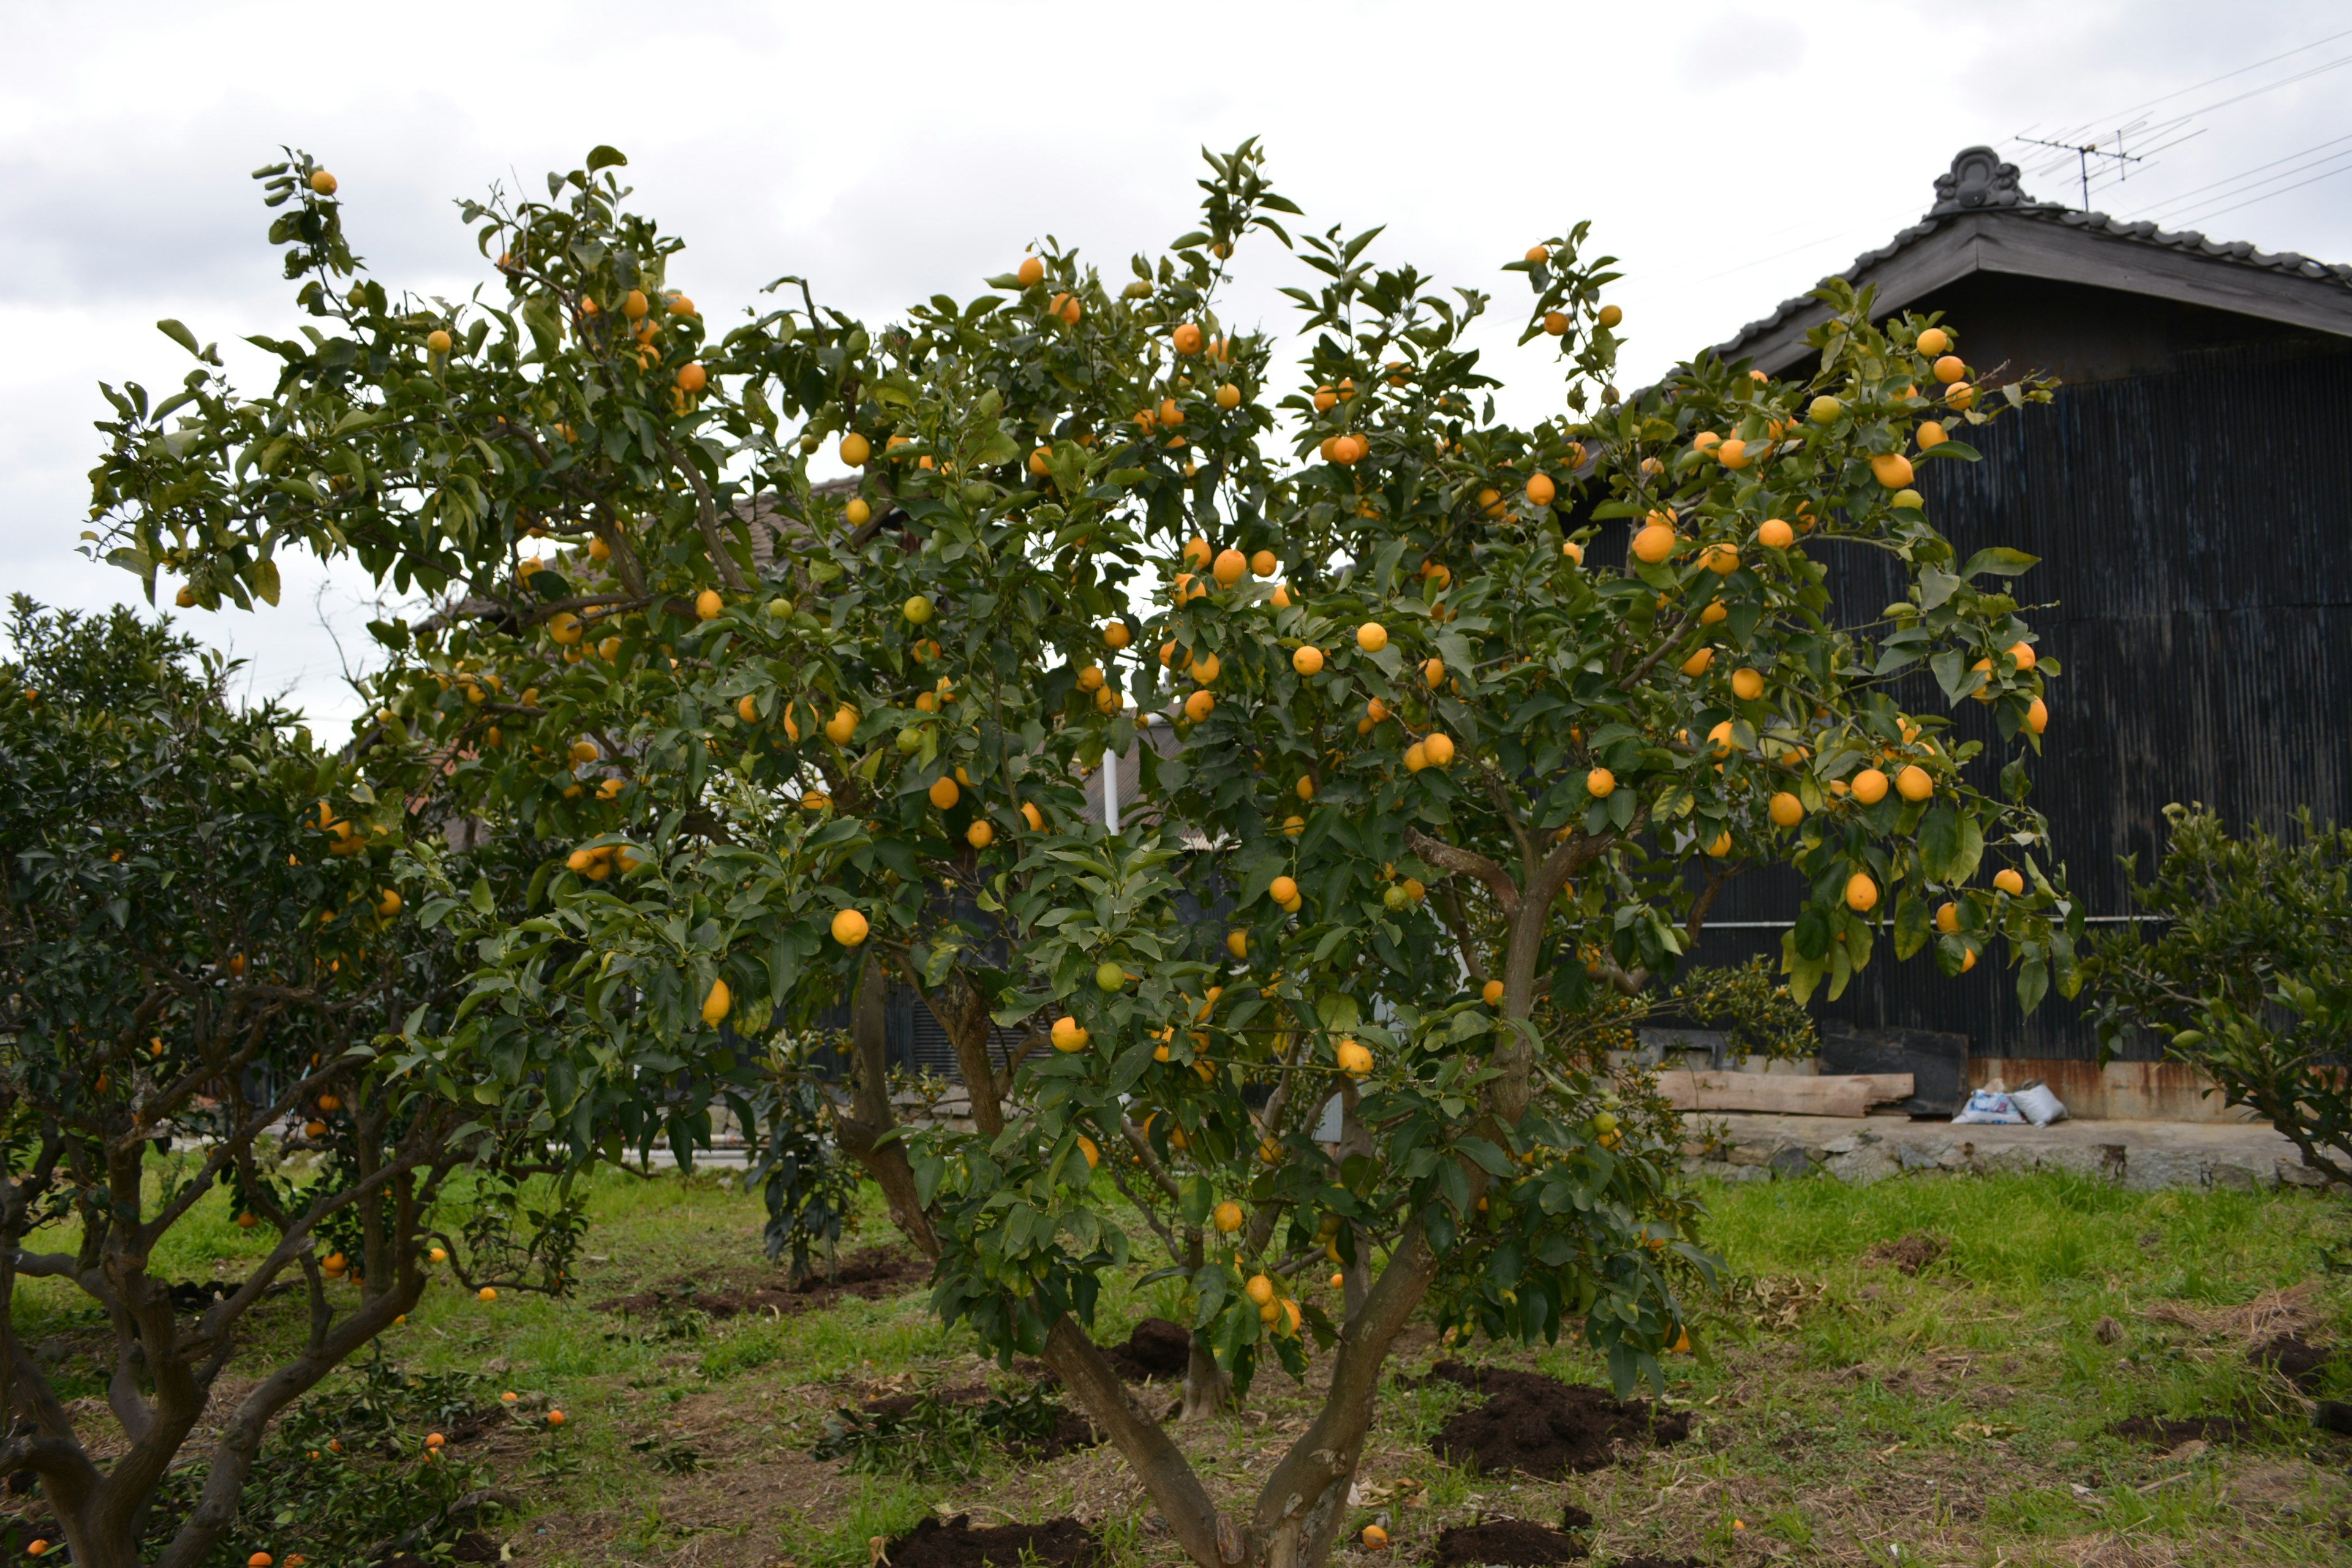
1158	1350
2293	1357
2172	1434
1541	1426
1510	1542
1645	1561
1574	1518
1061	1542
1910	1253
870	1276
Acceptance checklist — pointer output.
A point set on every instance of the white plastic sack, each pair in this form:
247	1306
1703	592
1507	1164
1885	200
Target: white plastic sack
2034	1101
1991	1107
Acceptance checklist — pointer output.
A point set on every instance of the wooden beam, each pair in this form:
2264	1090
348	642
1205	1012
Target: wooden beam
1785	1094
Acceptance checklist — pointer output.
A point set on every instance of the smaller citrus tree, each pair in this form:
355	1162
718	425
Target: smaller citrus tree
2243	969
206	947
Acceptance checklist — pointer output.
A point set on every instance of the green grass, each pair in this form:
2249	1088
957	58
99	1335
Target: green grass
1959	1417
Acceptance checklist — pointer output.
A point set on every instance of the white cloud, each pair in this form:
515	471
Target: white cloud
1729	155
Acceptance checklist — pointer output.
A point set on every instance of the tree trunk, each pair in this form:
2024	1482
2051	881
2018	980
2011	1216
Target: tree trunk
1207	1386
870	1115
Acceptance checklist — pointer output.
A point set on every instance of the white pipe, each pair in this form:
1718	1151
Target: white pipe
1110	790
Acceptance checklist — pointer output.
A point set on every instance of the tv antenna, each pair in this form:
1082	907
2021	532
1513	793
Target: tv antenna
2085	152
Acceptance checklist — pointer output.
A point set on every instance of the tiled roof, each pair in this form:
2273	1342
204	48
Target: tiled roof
1979	182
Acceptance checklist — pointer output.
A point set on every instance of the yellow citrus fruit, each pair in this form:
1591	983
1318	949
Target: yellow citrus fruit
1654	543
1747	685
719	1003
1032	273
1375	1538
1354	1059
1229	1216
1948	918
1491	992
979	835
1786	809
707	603
1933	341
1869	786
1197	706
857	512
1264	563
1307	660
1372	637
1068	1036
943	793
1541	489
2009	881
855	449
1115	635
1697	664
1860	893
1775	534
1600	784
1282	889
1416	757
849	928
322	182
2037	716
1892	470
1087	1147
1440	750
1913	784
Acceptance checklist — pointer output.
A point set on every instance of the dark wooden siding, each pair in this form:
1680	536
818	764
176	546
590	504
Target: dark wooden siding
2195	530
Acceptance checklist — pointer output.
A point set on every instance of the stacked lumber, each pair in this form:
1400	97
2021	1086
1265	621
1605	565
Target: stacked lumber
1784	1094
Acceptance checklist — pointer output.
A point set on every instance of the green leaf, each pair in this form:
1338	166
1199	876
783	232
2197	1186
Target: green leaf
180	335
2000	561
603	157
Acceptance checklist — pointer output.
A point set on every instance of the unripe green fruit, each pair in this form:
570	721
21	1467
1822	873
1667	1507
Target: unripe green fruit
1109	976
779	608
910	741
918	610
1824	410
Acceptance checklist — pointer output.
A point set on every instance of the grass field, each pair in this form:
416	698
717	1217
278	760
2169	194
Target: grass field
1844	1410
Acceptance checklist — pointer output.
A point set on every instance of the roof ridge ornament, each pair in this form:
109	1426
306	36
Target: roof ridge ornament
1978	179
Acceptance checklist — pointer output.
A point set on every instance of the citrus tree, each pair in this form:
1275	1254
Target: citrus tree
1447	765
206	946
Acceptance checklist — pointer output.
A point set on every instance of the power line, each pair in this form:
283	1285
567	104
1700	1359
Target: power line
2208	81
2250	201
2179	199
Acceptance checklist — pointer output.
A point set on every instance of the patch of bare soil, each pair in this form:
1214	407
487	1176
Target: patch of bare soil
1156	1352
1541	1426
1508	1543
870	1276
1912	1252
1060	1543
2172	1434
2293	1357
1642	1559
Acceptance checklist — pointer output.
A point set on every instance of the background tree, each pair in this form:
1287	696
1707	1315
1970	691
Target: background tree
206	945
1439	761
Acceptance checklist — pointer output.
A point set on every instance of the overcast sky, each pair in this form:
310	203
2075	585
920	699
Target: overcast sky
1729	154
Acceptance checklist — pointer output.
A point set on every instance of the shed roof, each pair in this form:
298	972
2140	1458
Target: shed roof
1982	221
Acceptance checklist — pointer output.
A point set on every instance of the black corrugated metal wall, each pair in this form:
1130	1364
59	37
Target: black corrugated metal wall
2195	531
